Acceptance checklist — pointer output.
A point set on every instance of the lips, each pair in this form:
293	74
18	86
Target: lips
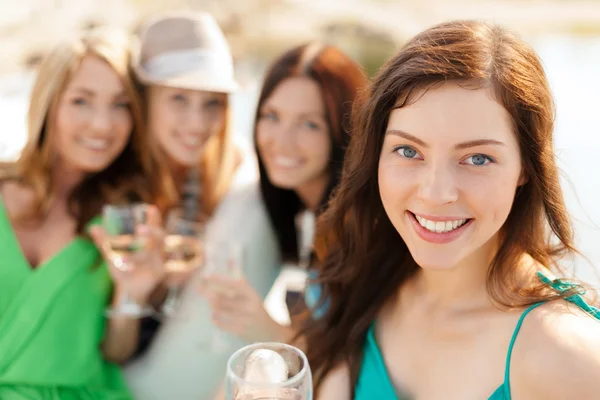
95	144
285	162
439	229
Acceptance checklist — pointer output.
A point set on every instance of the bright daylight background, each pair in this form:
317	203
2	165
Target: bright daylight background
565	33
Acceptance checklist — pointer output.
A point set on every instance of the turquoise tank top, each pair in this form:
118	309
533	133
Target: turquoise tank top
375	383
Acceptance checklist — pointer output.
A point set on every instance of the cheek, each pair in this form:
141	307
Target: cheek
217	121
317	148
263	136
161	123
389	189
67	123
492	196
124	124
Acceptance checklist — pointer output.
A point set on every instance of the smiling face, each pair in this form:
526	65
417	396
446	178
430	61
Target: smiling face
183	120
448	172
92	121
293	136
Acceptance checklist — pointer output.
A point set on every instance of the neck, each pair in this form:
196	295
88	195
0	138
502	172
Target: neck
64	180
311	193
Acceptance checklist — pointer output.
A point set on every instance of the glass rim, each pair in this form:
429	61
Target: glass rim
296	379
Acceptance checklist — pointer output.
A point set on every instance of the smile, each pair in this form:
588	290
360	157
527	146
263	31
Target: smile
285	162
94	144
440	226
440	230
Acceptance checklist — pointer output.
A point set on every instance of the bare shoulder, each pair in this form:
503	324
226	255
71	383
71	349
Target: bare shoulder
16	197
336	385
557	354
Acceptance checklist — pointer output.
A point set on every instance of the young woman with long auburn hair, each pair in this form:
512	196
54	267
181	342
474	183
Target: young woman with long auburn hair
440	247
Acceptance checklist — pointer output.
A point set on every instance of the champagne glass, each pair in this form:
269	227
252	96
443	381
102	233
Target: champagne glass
184	252
124	248
268	371
224	259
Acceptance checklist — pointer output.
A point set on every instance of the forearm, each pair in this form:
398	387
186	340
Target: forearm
122	336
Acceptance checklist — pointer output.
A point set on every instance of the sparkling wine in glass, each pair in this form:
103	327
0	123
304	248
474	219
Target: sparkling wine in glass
268	371
124	249
184	252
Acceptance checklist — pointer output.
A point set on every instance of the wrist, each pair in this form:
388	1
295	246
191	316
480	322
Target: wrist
120	294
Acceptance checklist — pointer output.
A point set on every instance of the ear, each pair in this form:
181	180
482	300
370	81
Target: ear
523	178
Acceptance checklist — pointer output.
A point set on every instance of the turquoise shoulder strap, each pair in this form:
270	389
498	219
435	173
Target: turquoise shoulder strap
561	286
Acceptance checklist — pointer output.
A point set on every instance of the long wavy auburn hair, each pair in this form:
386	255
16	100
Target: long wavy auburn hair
363	259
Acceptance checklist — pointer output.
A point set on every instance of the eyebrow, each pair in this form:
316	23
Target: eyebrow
91	93
269	107
459	146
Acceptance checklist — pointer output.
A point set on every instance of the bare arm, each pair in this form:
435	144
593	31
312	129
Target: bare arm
122	335
123	332
336	385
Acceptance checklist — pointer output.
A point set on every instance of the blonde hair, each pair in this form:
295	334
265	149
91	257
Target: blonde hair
35	163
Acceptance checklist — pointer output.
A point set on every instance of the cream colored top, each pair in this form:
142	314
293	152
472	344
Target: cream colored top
180	363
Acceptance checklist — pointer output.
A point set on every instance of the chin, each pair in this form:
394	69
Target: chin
434	265
93	168
187	161
288	184
433	260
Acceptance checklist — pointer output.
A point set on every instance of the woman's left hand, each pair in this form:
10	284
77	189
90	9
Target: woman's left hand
239	310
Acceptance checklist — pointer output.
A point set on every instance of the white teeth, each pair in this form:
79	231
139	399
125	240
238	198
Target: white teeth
286	162
94	144
191	141
440	226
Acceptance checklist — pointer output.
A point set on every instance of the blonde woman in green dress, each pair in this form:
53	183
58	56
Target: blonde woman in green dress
85	134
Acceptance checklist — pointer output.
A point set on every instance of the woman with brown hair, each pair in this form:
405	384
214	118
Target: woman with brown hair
436	253
301	132
84	148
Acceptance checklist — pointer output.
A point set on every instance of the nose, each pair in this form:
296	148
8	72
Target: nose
197	123
437	186
284	139
102	120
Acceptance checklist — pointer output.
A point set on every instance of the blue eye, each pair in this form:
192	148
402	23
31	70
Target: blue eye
406	152
479	160
79	102
271	116
179	98
122	105
311	125
213	104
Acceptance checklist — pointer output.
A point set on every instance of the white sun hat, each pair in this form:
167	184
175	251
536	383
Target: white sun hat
185	50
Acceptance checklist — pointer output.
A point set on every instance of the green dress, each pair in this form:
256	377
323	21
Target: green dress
375	383
52	323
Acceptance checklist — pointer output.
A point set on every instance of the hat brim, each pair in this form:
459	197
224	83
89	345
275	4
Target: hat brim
193	80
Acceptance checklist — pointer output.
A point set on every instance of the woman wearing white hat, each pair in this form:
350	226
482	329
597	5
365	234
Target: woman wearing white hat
185	66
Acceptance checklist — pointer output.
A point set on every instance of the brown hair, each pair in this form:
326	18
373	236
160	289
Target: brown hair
340	80
125	177
364	260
